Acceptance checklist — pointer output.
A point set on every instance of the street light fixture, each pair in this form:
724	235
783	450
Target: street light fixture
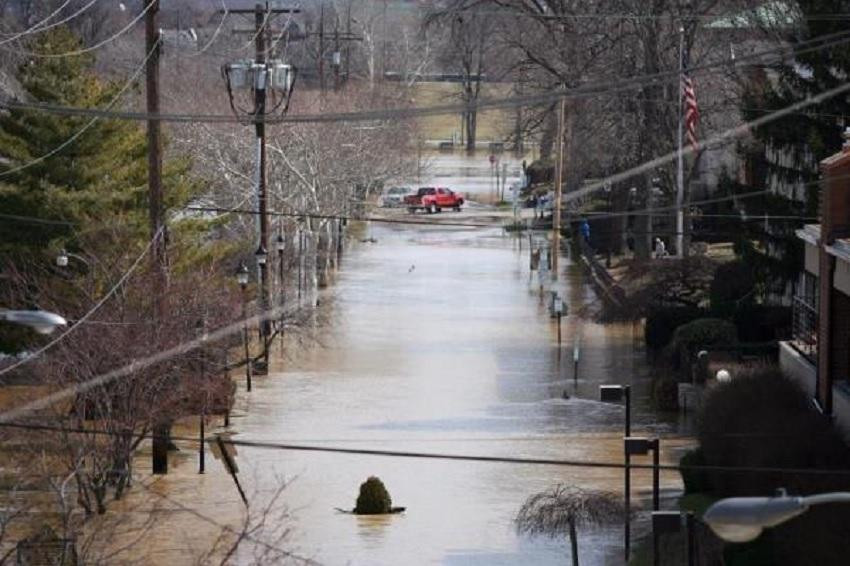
281	247
242	276
42	322
262	255
742	519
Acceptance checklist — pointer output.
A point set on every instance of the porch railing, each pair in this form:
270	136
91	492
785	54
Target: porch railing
805	329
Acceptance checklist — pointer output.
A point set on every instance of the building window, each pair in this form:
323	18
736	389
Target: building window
805	317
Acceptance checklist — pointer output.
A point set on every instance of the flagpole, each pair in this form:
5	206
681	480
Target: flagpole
680	176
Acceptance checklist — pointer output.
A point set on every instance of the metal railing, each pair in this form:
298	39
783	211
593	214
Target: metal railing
805	329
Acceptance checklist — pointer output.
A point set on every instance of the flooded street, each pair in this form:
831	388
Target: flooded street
438	342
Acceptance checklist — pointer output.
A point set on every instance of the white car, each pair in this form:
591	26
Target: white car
394	196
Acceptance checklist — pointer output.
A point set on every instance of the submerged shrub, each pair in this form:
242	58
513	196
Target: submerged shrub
374	499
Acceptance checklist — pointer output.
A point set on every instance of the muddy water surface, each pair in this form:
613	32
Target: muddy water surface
439	342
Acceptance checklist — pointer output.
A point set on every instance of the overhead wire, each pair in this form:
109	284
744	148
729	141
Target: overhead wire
225	13
35	355
38	25
458	224
89	49
41	29
587	90
571	463
90	123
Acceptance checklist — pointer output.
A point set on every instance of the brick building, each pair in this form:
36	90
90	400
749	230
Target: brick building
818	355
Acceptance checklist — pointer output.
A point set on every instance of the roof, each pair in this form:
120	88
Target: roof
776	14
840	248
810	233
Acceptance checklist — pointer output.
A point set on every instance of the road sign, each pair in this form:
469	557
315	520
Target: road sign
493	158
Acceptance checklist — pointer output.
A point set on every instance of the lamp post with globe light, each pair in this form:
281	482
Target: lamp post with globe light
242	279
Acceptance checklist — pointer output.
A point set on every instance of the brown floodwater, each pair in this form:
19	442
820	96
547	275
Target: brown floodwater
439	342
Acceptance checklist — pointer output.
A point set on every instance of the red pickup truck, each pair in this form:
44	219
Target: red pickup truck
433	199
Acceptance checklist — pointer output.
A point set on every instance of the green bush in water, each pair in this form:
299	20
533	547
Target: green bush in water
374	499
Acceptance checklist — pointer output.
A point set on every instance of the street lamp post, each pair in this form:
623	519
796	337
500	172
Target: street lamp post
202	327
262	257
635	445
742	519
242	279
613	394
664	522
281	247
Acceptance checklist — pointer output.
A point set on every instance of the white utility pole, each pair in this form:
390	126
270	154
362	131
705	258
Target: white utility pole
680	173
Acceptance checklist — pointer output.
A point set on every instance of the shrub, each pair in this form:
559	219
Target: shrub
541	171
762	323
732	287
696	481
374	499
662	322
665	391
763	419
698	335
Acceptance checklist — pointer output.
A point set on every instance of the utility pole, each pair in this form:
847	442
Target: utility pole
260	93
258	77
336	58
559	180
322	48
161	430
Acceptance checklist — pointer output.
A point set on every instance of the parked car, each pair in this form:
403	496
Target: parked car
433	199
394	196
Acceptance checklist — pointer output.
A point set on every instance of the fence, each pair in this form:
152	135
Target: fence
804	329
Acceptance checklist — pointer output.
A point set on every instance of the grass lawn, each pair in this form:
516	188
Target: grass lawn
492	125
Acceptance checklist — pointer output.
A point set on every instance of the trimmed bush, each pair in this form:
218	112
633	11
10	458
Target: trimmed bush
662	322
696	481
698	335
665	391
763	323
374	499
733	287
763	419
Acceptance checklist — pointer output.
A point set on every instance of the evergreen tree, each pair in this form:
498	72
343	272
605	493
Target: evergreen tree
795	144
97	181
791	148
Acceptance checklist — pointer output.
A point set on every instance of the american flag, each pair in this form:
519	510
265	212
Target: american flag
691	110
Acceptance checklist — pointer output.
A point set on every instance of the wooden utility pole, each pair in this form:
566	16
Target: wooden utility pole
262	197
263	15
559	181
322	48
161	430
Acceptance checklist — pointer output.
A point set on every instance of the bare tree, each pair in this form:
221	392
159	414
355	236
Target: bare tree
563	509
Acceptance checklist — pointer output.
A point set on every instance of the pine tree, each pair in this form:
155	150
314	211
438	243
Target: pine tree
98	181
792	147
795	144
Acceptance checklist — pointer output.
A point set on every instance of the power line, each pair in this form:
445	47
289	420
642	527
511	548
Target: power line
35	220
38	28
86	316
89	124
89	49
588	90
570	463
319	216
